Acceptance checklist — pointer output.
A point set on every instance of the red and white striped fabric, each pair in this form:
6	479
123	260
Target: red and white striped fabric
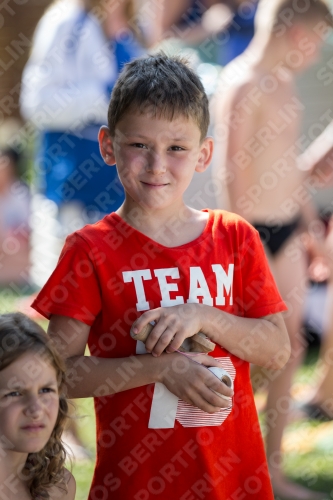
190	416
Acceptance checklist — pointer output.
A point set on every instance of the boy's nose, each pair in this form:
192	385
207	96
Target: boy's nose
156	163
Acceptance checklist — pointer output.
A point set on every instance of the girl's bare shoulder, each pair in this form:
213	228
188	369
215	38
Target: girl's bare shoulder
65	490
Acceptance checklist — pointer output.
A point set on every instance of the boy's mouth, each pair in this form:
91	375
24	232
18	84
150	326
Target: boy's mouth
154	184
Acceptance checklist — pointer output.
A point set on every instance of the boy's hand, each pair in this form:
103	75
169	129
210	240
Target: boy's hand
173	325
193	383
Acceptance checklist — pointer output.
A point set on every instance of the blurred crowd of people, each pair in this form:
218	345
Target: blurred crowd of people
78	50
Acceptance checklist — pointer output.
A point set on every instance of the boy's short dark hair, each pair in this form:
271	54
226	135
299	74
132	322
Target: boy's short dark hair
161	85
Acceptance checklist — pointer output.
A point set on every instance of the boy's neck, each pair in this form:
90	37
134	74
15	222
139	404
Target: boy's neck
170	228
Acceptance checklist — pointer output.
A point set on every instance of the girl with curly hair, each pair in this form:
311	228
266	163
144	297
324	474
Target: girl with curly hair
33	412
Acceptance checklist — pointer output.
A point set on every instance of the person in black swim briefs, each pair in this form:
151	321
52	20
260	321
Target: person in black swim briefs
274	237
259	173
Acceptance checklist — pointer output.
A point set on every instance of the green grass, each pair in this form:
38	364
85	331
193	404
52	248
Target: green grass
7	300
308	457
83	473
83	470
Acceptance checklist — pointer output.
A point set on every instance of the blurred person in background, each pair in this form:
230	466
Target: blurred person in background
239	33
78	49
14	220
257	127
220	30
319	406
317	159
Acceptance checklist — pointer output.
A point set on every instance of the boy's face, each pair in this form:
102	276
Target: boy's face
156	158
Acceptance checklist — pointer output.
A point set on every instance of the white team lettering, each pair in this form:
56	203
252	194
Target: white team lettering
224	283
198	289
137	277
166	288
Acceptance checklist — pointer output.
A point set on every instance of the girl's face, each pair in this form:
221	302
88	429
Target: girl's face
29	403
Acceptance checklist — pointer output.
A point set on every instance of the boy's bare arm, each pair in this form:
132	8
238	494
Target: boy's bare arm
262	341
90	376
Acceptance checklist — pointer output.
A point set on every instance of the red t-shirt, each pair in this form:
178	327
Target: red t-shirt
107	275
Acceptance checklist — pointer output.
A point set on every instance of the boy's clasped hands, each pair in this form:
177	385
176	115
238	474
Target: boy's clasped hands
197	385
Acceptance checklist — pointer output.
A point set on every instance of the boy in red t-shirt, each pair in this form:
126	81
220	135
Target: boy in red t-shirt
162	431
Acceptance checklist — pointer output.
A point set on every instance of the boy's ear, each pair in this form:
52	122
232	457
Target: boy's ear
205	155
106	145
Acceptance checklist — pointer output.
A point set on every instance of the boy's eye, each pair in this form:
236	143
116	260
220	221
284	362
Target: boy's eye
13	394
177	148
138	145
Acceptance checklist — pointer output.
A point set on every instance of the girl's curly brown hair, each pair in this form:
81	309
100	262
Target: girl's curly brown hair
19	334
